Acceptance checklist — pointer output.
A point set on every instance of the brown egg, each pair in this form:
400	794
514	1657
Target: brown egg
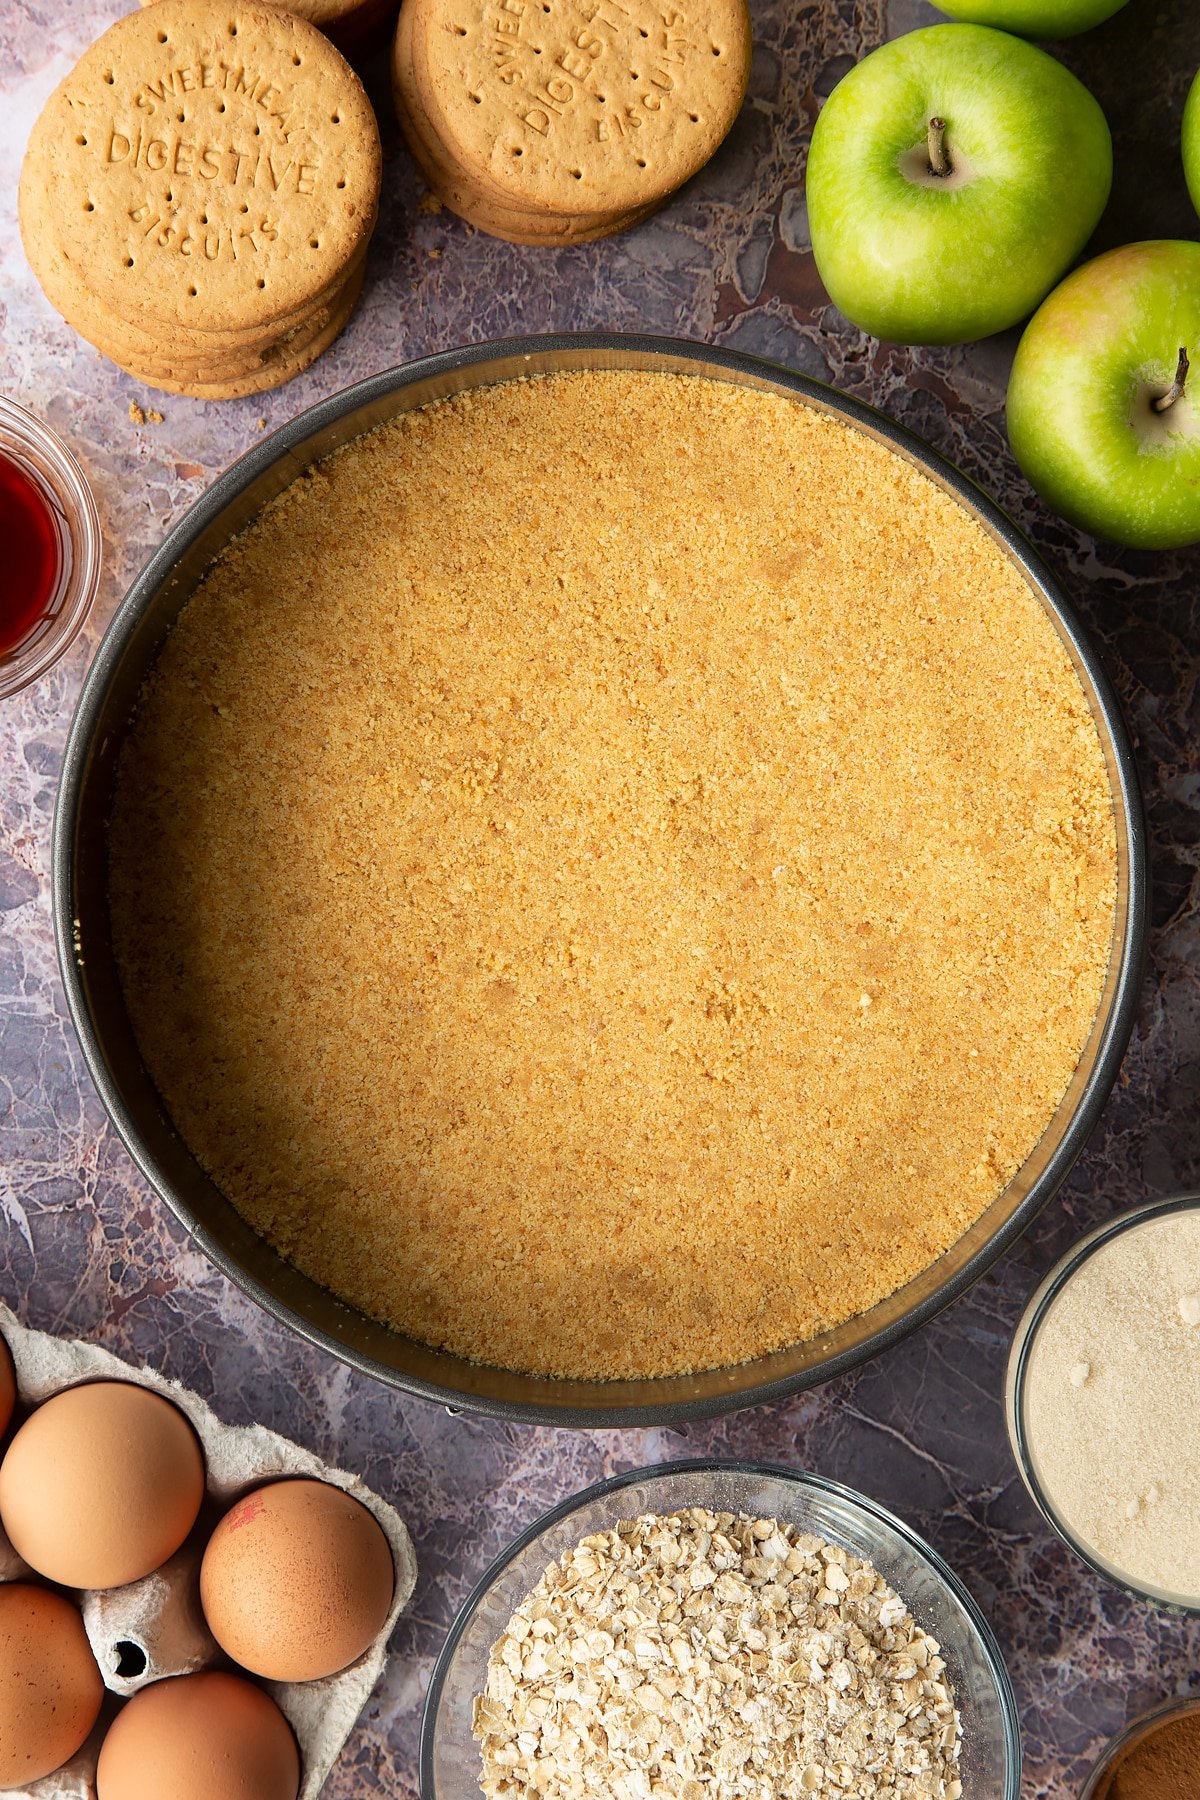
199	1737
101	1484
8	1386
50	1687
296	1581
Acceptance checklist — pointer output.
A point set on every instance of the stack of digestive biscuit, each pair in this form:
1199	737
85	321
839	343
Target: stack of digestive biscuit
559	121
198	195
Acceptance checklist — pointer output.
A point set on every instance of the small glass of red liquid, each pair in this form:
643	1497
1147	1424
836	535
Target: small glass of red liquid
49	547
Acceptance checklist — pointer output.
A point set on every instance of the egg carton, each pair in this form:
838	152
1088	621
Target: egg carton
155	1628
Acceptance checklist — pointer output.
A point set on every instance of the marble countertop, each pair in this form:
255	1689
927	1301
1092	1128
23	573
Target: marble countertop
86	1249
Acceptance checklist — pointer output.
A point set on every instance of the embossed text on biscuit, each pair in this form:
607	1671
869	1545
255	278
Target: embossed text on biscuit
276	171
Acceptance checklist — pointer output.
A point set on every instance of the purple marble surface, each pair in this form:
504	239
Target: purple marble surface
87	1250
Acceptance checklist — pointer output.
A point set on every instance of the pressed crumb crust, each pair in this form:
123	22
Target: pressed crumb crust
613	873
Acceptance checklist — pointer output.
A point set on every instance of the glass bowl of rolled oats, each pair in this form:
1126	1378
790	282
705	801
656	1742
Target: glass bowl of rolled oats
720	1631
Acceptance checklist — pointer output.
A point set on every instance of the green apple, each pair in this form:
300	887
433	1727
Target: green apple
1191	142
954	175
1104	398
1035	18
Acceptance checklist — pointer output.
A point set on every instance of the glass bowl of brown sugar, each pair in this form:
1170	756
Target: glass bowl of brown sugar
1158	1754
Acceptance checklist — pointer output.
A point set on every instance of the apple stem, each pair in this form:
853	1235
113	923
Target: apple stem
1175	391
939	162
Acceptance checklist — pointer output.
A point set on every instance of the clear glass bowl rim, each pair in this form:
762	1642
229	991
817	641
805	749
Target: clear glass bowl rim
87	547
720	1465
1129	1735
1036	1309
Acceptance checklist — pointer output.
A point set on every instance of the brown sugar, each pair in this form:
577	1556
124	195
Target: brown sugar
1162	1765
613	873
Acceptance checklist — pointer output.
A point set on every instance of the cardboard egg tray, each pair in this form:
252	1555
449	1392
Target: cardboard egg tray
154	1627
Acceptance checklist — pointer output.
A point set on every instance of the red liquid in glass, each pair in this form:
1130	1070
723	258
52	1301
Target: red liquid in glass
28	555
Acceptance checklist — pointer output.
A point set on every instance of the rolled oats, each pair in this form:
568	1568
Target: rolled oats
713	1656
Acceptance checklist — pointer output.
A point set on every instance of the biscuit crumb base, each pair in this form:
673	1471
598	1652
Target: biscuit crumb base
613	873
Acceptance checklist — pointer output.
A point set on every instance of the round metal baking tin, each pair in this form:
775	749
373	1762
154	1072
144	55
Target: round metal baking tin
1036	1310
97	1006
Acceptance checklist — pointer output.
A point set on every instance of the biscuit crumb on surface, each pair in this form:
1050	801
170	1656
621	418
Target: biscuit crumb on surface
136	415
613	873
